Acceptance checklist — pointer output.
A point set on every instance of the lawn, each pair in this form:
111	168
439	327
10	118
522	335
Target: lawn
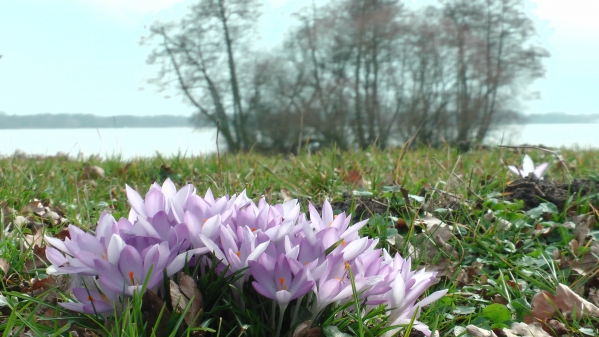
502	259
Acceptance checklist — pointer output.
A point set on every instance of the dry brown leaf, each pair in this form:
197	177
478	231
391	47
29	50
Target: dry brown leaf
285	194
93	172
565	300
355	179
4	266
302	329
182	294
153	307
589	260
475	331
525	330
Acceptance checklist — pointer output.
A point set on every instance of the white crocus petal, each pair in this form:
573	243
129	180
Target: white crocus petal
432	298
528	166
514	169
255	254
136	202
398	292
354	249
212	247
114	249
58	244
168	188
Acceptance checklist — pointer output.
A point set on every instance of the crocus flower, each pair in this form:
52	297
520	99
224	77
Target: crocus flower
133	268
528	167
90	301
281	286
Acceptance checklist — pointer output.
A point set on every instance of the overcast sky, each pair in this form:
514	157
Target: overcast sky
83	56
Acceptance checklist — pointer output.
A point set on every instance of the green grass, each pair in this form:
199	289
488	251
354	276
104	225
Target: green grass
488	269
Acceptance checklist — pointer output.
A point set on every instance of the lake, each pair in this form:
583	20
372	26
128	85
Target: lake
146	142
126	142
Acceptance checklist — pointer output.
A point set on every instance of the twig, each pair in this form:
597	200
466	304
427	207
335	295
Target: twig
541	149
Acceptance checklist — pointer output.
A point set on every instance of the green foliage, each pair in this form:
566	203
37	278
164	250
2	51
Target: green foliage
492	269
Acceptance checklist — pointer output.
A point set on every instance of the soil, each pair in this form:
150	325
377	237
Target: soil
534	191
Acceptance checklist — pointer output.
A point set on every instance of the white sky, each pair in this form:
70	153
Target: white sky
83	56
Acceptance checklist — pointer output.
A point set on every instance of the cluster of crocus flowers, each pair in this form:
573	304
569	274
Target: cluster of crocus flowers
283	252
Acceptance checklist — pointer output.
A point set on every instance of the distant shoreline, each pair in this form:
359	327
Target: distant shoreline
84	121
89	121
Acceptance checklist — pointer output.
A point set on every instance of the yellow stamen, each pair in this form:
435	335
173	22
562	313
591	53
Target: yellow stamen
238	254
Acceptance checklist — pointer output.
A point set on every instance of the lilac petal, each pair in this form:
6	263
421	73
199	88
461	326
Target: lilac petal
330	289
283	271
136	201
262	276
353	229
181	197
131	266
220	256
106	226
161	224
72	306
314	215
178	263
432	298
354	249
110	276
97	307
540	170
155	202
348	291
305	288
210	227
55	257
263	290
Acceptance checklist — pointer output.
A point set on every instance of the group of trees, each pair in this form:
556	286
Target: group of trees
354	72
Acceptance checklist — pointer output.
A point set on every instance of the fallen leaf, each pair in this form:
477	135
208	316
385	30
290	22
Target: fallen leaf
526	330
545	304
4	266
93	172
152	307
286	196
355	179
302	329
181	294
475	331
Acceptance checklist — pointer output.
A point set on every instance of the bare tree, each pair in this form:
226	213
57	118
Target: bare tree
202	51
496	58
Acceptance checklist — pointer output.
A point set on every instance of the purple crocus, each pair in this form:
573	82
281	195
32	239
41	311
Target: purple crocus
90	301
281	285
528	167
134	268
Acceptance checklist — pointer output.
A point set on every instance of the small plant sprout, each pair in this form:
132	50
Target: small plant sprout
528	167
